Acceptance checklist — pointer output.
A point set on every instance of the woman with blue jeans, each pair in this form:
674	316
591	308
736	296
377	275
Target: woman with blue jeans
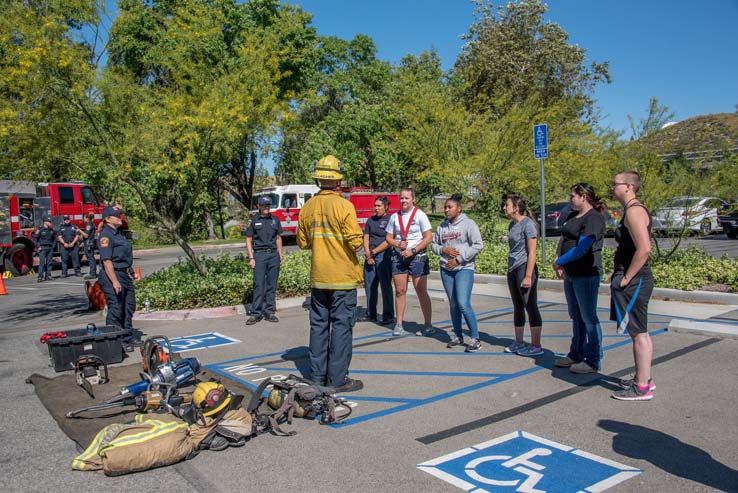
457	240
579	263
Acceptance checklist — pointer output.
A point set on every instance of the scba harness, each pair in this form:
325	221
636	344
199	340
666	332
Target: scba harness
297	397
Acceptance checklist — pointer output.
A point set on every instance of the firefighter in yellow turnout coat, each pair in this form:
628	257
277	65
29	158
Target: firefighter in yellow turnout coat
328	226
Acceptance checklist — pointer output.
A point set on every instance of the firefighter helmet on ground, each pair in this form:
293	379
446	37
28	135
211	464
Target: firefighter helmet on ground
328	168
211	398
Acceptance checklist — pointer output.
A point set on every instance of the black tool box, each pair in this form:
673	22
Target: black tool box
105	341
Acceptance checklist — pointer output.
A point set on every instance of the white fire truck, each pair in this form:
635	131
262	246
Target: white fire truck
287	200
24	204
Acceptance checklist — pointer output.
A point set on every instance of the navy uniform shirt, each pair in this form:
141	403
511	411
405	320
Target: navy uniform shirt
376	228
264	231
68	232
44	237
115	247
90	230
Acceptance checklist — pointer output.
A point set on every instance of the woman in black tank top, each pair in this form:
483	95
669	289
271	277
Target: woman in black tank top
632	284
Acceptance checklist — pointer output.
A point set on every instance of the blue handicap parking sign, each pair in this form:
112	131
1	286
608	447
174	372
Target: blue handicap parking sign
526	463
540	141
201	341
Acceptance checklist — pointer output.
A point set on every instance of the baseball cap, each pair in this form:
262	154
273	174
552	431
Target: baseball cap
111	210
66	217
47	219
265	200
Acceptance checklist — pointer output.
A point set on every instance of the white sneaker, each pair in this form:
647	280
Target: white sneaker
398	330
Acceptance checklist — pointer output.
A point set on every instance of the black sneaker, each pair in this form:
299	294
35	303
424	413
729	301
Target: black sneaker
365	318
49	278
91	276
351	385
386	321
271	318
253	319
78	274
40	279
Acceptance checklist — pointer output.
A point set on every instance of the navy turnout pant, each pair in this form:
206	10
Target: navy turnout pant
122	305
331	330
65	254
266	273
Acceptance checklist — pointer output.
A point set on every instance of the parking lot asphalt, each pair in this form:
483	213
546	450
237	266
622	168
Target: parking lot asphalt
429	418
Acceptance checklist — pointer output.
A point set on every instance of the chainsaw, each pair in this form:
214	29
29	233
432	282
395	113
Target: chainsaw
89	370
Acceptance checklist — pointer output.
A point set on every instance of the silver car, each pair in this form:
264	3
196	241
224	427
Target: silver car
698	214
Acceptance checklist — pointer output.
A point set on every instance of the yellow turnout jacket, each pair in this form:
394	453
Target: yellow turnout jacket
328	226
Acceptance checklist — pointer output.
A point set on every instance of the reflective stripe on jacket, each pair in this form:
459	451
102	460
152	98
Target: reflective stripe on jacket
328	226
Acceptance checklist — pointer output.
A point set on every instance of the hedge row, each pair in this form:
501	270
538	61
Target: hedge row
230	281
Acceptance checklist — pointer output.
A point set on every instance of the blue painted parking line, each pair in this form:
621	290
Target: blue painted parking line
402	372
238	368
524	462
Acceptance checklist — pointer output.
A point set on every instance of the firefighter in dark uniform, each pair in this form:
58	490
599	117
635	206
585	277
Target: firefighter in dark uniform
264	247
116	275
45	240
70	238
90	236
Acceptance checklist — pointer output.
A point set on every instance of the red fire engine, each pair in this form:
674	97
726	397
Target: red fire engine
287	200
24	204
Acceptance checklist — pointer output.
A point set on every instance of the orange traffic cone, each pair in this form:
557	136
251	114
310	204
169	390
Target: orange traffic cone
137	276
2	287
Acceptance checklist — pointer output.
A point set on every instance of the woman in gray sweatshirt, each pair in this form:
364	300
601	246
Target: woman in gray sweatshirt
457	240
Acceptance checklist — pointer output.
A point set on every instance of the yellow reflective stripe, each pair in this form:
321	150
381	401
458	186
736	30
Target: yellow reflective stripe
79	461
334	286
328	235
159	428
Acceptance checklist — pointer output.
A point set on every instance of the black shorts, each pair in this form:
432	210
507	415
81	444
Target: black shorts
629	305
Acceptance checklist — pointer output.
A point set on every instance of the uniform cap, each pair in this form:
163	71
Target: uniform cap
111	210
66	217
265	200
47	219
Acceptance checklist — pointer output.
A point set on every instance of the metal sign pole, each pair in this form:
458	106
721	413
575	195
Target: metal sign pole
540	152
543	214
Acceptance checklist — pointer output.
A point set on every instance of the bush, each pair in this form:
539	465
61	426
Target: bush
230	281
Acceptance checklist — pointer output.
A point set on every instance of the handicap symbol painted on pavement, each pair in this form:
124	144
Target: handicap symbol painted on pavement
526	463
201	341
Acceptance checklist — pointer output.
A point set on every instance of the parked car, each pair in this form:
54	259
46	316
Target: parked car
557	213
729	222
698	214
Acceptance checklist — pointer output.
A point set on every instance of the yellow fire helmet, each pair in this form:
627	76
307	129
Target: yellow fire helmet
328	168
211	398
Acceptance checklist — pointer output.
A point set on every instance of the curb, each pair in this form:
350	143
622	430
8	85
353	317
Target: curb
709	329
547	284
197	248
665	294
218	312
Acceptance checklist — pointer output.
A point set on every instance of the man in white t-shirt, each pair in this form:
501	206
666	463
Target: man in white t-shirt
409	233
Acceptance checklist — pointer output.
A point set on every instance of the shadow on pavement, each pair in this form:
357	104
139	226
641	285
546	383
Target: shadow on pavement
670	454
56	308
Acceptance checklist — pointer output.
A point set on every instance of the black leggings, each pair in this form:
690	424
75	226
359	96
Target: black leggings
524	299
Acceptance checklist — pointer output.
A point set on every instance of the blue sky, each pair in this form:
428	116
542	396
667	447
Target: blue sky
683	53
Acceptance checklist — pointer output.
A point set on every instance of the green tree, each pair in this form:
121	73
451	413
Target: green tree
343	111
183	87
46	68
512	54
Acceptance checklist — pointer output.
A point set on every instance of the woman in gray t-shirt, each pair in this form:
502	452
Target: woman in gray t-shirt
522	277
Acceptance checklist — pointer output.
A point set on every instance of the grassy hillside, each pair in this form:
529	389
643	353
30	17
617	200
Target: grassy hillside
701	133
